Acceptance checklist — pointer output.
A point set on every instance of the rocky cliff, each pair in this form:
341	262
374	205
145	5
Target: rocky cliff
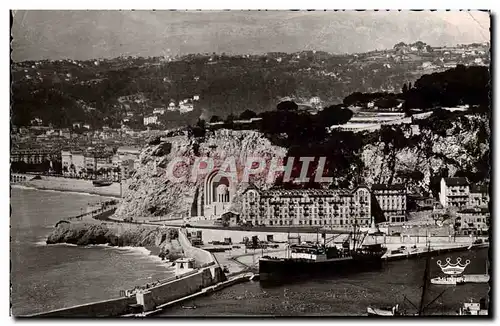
426	151
133	236
416	155
151	193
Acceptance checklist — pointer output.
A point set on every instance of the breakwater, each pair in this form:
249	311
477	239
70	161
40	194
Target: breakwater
205	291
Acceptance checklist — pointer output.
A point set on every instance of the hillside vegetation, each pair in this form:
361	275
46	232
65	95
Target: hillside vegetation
101	92
444	144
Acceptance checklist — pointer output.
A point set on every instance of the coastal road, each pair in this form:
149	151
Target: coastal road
255	256
291	230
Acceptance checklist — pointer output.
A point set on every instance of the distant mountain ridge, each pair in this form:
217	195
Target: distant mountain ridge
83	35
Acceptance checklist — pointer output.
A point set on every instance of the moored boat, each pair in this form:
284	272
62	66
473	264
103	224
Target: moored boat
387	312
448	280
102	183
305	260
308	259
369	252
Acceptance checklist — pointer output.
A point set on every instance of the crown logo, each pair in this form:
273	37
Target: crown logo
453	269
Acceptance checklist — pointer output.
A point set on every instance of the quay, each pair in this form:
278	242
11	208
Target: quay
206	291
419	252
202	272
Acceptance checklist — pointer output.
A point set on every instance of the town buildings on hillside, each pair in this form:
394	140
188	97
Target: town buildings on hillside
88	163
468	202
458	193
35	156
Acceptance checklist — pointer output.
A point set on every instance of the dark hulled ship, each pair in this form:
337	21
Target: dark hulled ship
306	260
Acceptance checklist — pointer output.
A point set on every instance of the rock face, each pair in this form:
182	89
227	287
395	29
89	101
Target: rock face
94	234
151	193
422	149
461	147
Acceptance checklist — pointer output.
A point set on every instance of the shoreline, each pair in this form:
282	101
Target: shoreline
29	186
152	252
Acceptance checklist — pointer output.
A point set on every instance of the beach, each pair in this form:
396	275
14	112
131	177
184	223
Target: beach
69	185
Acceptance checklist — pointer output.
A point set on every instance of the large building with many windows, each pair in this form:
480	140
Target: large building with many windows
473	220
458	193
478	196
391	200
454	192
307	207
34	156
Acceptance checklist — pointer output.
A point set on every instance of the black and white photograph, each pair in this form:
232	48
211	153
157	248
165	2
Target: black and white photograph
250	163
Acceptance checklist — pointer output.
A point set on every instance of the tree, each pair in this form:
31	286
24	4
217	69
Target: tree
400	44
247	115
215	118
334	115
287	106
230	118
201	123
405	88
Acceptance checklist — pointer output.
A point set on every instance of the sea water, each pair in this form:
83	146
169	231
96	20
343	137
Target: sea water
46	277
347	295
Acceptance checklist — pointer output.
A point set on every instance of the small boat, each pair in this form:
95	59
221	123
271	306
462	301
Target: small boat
102	183
188	307
474	308
448	280
387	312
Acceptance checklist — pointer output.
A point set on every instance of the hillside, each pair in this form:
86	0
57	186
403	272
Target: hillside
444	143
107	92
420	157
151	193
393	154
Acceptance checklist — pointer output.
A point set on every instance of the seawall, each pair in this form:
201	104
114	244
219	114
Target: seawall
202	257
176	289
65	184
207	273
107	308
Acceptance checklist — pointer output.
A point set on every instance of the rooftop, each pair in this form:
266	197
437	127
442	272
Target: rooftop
474	210
128	149
479	188
460	181
306	192
379	186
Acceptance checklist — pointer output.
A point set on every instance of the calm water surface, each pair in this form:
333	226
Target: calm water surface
46	277
344	296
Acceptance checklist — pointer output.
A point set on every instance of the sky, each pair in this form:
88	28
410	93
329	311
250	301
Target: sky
83	35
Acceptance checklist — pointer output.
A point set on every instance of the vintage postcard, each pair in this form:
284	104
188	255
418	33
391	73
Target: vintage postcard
250	163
